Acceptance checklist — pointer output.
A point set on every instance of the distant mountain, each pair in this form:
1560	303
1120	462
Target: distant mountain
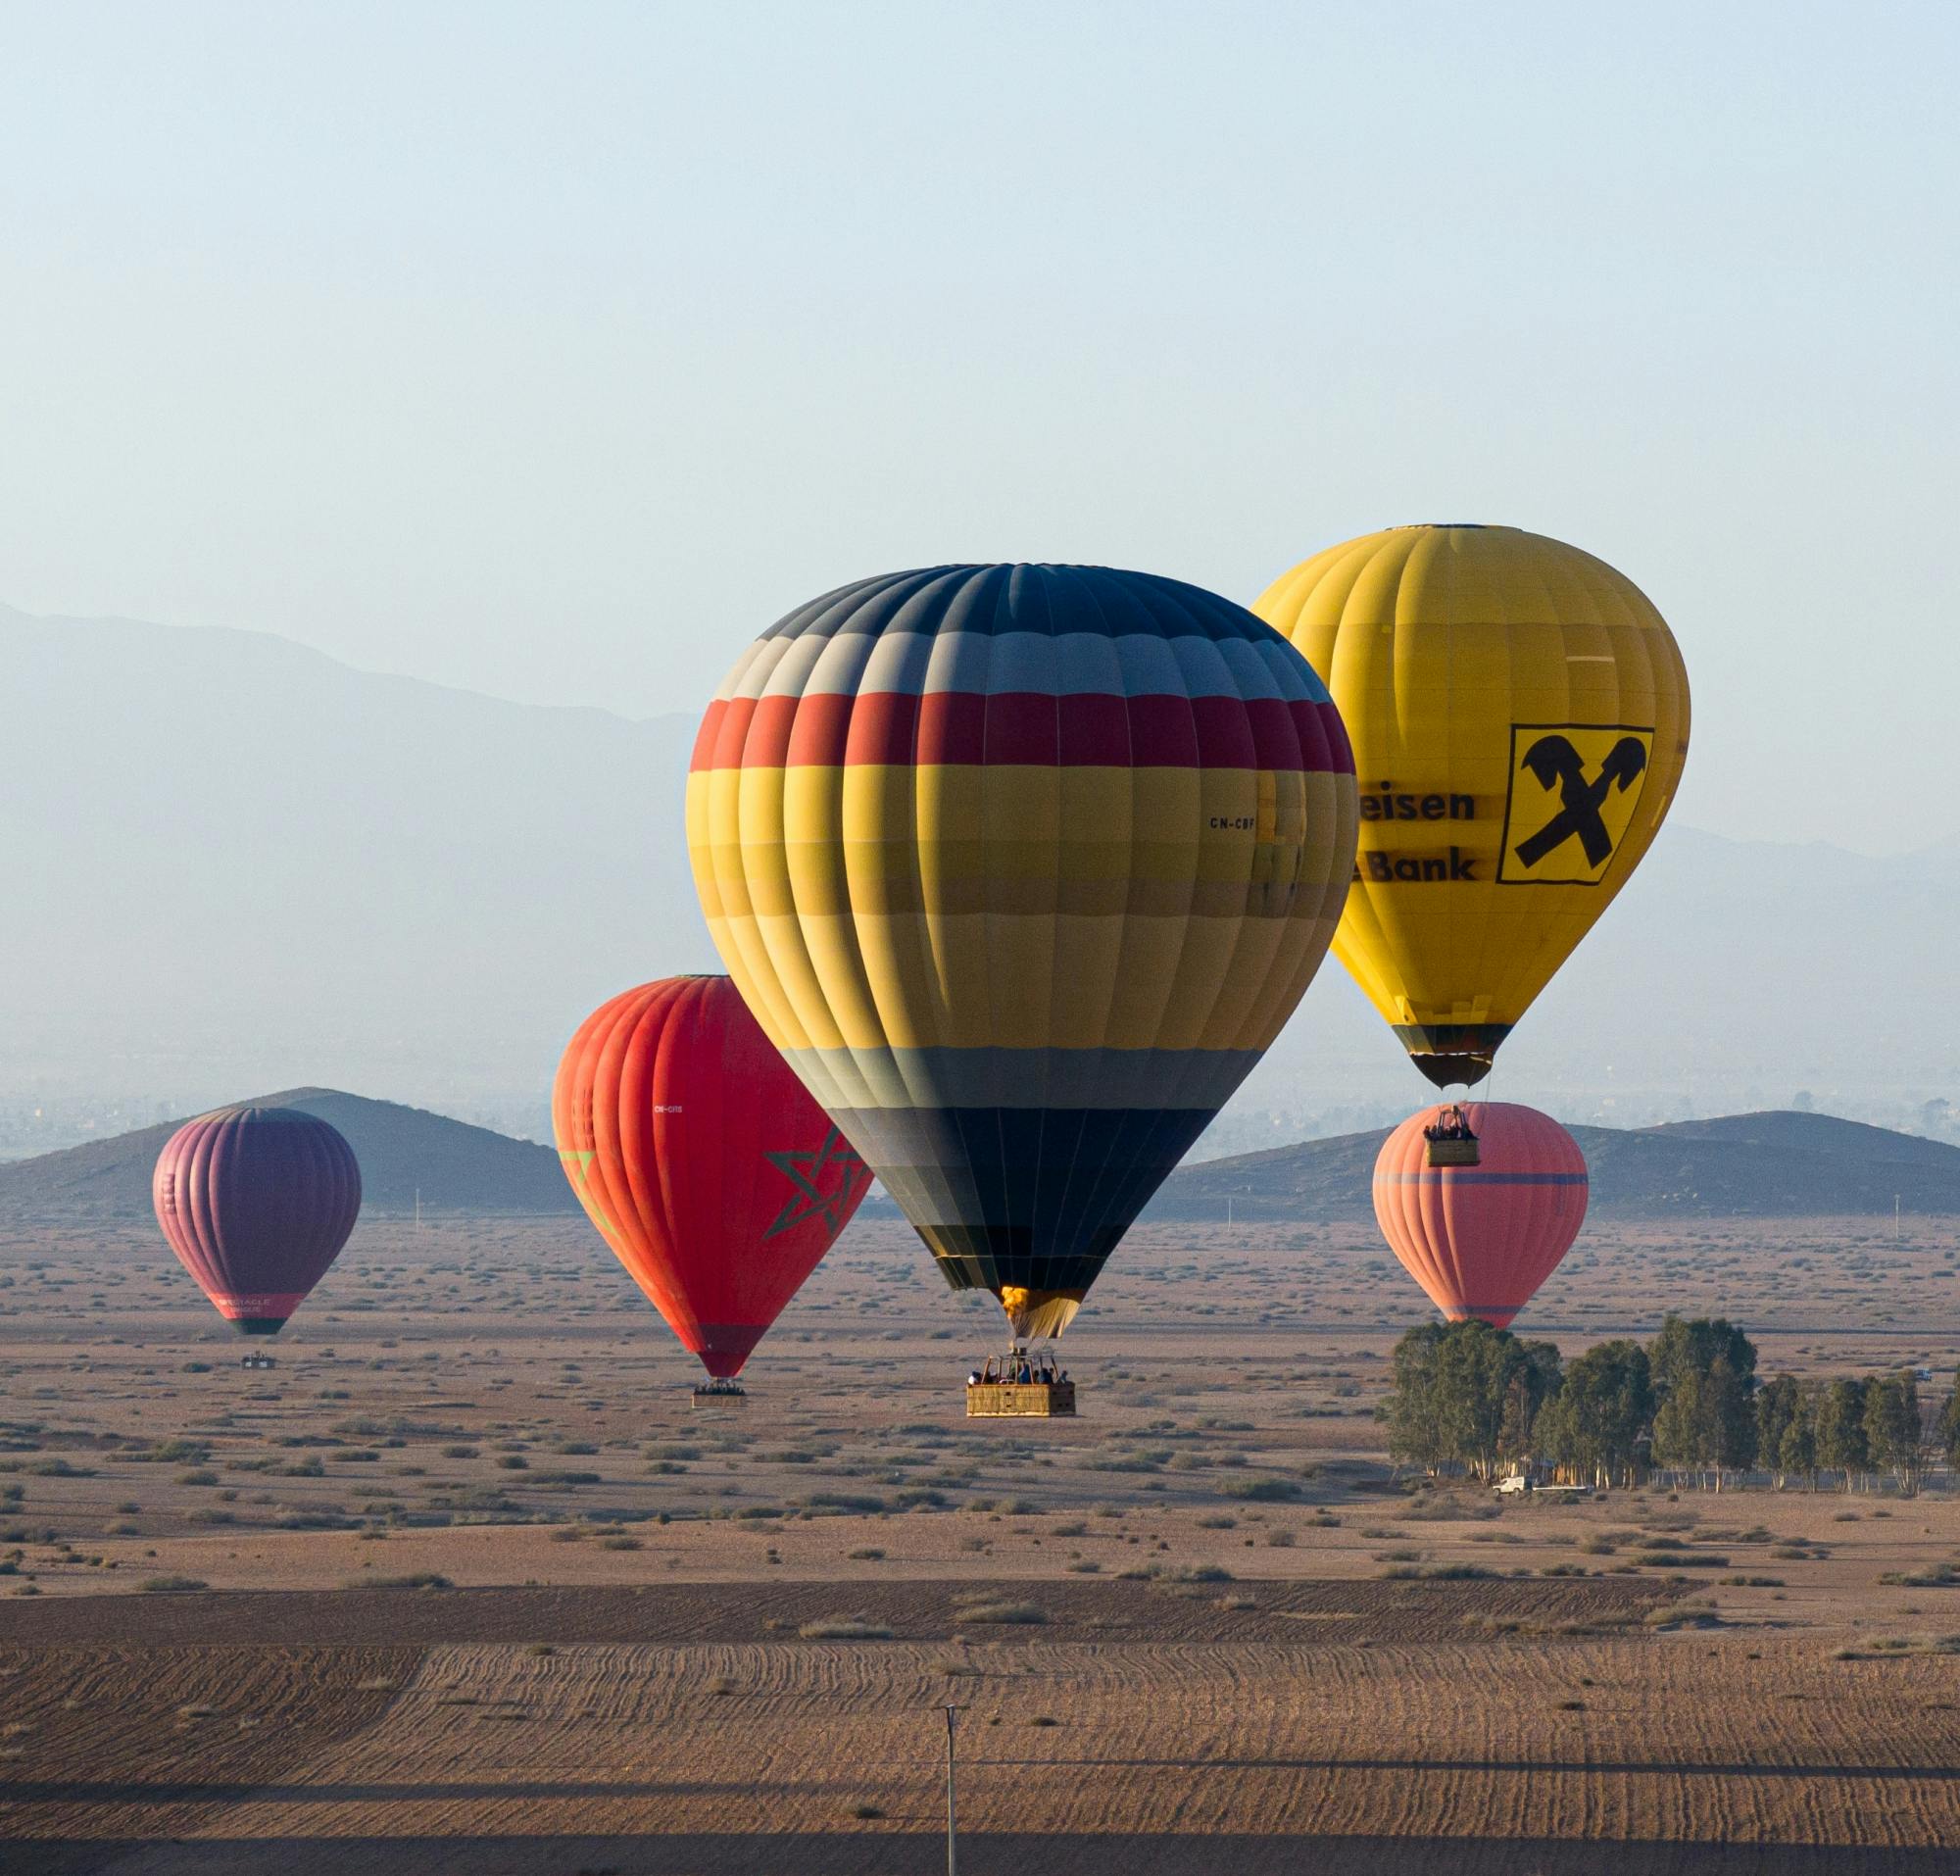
1766	1165
1763	1166
249	864
403	1153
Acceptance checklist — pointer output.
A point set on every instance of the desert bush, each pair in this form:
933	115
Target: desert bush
1002	1613
411	1580
1690	1613
844	1502
1935	1576
1261	1490
845	1628
170	1584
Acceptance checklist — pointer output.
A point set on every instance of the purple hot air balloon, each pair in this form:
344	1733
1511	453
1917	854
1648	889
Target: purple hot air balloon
257	1202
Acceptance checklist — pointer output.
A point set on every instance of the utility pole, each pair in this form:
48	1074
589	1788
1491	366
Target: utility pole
952	1810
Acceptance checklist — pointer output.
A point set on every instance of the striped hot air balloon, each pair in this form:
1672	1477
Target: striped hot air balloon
1479	1239
1023	867
256	1201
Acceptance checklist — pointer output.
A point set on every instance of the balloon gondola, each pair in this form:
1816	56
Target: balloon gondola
1449	1140
1021	867
256	1203
715	1179
1021	1384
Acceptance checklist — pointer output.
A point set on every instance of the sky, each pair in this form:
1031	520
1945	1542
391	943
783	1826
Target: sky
554	352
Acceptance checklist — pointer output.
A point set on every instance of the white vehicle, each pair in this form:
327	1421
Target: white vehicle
1515	1485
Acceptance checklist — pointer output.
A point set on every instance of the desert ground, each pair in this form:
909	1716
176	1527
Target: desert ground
467	1584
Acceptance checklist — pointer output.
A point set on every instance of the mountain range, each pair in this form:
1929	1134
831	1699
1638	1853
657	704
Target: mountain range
1765	1166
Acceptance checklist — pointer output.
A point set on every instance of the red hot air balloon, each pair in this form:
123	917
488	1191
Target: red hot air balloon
706	1167
257	1202
1479	1239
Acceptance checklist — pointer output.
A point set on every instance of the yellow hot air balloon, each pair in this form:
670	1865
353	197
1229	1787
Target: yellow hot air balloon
1519	716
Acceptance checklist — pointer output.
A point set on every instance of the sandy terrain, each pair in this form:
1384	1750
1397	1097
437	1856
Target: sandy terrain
1248	1646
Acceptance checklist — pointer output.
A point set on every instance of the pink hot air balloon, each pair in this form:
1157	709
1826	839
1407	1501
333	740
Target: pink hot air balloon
256	1201
1479	1239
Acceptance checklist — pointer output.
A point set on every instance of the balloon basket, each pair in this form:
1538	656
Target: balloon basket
719	1394
1019	1386
1451	1141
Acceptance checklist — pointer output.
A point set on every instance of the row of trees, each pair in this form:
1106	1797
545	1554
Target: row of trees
1690	1401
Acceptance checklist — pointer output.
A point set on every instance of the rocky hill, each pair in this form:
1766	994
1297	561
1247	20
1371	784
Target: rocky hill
1767	1165
402	1151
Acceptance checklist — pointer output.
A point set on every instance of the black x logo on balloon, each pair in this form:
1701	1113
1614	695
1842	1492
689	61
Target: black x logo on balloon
1554	763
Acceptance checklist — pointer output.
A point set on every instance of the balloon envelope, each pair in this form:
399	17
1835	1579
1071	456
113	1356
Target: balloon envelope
705	1165
1023	867
1481	1239
256	1203
1519	714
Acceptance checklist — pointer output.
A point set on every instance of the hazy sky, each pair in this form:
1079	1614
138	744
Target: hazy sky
554	350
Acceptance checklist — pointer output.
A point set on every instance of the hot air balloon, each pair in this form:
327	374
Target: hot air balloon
716	1178
1519	715
256	1201
1480	1238
1023	867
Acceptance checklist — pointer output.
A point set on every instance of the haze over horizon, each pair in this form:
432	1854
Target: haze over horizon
446	964
554	356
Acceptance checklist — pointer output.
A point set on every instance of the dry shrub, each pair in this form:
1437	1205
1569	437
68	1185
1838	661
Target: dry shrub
1688	1613
1002	1613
